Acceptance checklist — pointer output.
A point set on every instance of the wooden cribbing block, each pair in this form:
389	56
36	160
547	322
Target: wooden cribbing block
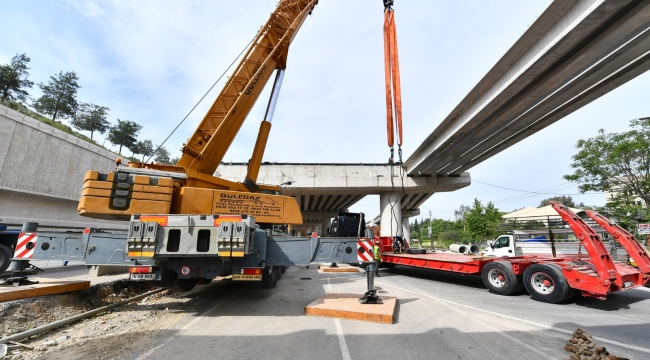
44	287
342	268
347	306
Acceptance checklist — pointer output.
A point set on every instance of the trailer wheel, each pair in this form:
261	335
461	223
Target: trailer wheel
546	283
499	278
182	285
5	258
283	269
269	277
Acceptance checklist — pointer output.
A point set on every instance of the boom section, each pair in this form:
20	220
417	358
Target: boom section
592	242
209	143
627	240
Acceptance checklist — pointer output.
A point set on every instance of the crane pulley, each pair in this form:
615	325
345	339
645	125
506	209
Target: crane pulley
393	87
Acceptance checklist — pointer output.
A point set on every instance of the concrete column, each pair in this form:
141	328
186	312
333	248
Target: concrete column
324	224
406	230
390	206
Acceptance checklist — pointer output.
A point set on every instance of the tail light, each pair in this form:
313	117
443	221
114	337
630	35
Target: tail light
141	270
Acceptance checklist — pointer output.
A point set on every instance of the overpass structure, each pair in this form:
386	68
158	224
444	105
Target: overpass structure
322	190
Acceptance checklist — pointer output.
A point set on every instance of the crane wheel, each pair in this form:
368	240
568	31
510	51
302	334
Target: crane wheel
270	276
5	258
183	285
546	283
499	278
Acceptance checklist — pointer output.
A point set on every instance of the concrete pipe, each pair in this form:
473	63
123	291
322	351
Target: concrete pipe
472	249
461	249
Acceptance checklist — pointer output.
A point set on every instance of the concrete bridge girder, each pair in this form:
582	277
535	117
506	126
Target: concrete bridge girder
575	52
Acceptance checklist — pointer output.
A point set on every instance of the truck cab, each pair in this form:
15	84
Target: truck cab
503	246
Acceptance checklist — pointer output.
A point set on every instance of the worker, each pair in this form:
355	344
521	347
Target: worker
377	252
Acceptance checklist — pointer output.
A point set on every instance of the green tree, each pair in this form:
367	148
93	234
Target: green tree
91	117
175	160
13	79
124	133
162	155
482	221
617	163
145	149
59	96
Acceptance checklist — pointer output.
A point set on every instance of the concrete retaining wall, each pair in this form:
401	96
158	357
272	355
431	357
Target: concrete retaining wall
42	170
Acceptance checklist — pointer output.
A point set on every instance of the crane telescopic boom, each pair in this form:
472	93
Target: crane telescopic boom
189	187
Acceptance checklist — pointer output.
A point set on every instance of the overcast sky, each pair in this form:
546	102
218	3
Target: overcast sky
151	61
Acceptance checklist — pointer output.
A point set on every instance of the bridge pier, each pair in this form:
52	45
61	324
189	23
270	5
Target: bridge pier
390	207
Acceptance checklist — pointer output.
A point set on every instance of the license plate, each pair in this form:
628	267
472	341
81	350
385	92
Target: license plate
143	277
246	277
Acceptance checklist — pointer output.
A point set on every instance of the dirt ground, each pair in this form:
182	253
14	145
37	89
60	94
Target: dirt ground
104	336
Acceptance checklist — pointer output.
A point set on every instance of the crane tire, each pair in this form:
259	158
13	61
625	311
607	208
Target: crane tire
5	258
183	285
546	283
269	277
499	278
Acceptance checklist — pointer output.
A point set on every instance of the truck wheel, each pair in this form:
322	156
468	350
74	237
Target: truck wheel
182	285
499	278
546	283
5	258
269	277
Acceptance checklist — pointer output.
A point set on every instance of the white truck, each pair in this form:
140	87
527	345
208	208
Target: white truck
538	242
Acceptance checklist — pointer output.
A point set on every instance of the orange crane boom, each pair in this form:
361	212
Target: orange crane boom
189	187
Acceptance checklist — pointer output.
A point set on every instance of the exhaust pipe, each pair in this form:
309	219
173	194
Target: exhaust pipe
461	249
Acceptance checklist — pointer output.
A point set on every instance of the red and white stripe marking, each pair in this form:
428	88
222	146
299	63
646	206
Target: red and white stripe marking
25	246
364	250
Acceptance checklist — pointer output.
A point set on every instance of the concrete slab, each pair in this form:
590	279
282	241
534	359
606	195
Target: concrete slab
342	268
347	306
44	287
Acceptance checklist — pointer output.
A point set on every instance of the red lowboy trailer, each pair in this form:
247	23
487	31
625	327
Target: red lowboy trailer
547	279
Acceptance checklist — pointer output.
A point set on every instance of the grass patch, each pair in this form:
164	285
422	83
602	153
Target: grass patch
32	114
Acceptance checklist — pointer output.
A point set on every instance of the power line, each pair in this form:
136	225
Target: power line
531	192
203	97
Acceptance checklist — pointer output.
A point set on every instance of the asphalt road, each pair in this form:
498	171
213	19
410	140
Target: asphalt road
441	316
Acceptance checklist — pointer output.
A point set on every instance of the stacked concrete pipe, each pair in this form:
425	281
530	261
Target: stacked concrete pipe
458	248
464	249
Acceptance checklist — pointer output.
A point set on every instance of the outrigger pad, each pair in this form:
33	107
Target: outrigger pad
347	306
370	297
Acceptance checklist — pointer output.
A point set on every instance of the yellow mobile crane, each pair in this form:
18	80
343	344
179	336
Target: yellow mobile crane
189	187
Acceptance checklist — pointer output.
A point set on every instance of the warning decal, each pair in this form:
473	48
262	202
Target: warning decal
364	250
25	246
